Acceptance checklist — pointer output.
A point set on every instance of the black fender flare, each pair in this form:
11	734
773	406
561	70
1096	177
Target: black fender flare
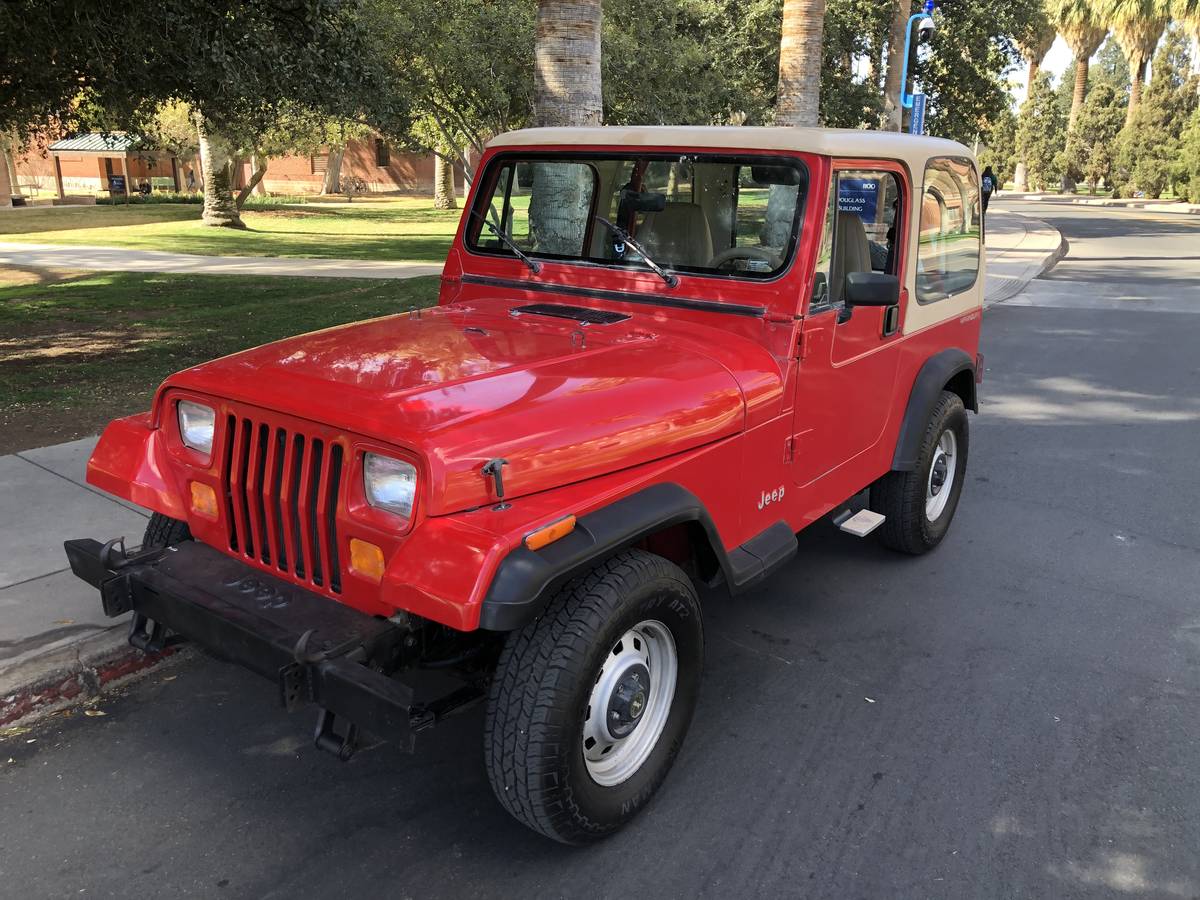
526	579
931	380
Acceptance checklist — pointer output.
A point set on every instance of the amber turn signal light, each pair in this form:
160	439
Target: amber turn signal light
204	500
366	560
536	540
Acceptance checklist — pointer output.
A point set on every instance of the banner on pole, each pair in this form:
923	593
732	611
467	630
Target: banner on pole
916	122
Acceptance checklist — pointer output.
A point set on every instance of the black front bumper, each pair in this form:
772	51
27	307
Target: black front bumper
316	649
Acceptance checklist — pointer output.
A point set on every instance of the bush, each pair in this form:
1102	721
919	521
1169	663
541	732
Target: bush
149	199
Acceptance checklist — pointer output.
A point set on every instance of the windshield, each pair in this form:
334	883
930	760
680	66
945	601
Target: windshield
697	213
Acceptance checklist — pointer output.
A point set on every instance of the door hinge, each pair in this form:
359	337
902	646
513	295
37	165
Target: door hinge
789	449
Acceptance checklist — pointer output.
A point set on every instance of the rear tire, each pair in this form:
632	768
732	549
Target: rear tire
919	505
626	637
163	531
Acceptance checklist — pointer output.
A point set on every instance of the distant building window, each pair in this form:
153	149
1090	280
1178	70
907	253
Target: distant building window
382	158
319	163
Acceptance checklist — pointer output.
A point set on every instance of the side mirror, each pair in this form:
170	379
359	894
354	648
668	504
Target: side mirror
871	289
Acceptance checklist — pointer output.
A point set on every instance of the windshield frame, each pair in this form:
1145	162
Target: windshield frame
490	175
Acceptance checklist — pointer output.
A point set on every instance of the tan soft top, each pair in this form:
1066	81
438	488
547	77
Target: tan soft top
843	142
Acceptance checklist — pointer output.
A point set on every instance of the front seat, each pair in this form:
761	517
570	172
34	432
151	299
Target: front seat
677	236
851	253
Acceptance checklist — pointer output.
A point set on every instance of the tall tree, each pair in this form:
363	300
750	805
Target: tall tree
1148	149
799	96
65	67
893	80
1041	133
1137	25
1034	40
1077	21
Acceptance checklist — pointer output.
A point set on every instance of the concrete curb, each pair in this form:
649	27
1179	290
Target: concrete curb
72	674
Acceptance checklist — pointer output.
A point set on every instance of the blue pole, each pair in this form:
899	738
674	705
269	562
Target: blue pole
906	99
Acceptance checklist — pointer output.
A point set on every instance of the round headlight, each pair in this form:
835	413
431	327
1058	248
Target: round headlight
390	484
196	425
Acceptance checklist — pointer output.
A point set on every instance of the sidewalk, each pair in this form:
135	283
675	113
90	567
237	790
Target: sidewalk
56	645
1170	207
1019	249
120	259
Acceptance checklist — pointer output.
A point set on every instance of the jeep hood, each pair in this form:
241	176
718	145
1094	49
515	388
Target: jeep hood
461	385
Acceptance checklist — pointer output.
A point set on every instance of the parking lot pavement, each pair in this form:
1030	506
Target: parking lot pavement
1013	715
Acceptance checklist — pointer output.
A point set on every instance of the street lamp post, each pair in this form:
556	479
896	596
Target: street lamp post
925	28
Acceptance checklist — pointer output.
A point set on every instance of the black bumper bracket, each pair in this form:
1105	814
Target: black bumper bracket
317	650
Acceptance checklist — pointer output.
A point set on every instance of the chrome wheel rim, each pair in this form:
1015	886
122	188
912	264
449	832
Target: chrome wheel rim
630	702
942	470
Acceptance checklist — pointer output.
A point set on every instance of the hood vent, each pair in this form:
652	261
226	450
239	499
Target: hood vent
582	314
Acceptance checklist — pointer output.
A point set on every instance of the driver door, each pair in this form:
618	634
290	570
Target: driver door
849	356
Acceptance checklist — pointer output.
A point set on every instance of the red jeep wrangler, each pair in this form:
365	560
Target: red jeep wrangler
658	354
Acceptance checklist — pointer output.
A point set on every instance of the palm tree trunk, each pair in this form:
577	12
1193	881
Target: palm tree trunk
894	79
799	97
567	63
1137	75
1077	98
443	184
566	91
220	206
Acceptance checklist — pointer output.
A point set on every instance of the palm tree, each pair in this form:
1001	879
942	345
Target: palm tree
1080	27
1187	14
566	58
1137	26
799	97
566	91
1034	43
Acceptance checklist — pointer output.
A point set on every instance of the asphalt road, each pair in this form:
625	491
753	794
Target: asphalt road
1014	715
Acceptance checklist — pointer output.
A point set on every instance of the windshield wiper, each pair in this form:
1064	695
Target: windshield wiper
623	236
534	266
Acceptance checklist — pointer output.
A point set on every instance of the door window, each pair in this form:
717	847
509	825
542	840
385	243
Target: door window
860	233
948	256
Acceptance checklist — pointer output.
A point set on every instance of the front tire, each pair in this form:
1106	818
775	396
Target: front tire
163	531
919	505
590	703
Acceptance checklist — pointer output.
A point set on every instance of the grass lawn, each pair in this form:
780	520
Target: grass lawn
404	228
78	352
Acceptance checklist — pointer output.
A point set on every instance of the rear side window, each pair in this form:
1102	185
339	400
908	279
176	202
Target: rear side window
948	256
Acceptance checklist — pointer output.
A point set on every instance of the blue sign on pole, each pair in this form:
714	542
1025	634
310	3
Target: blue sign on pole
116	184
859	196
916	122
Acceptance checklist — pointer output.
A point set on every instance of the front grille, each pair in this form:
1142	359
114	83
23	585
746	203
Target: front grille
281	495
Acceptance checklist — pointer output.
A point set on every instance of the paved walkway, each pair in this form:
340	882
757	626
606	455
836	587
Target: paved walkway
121	259
55	642
1019	249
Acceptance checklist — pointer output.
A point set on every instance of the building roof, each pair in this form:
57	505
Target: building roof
845	142
117	142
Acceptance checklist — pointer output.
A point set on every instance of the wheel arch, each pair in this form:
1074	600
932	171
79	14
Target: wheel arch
948	370
664	518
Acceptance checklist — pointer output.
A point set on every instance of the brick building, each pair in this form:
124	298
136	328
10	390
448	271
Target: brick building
84	165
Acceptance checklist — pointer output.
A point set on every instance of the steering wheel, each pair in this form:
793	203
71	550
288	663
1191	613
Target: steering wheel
728	256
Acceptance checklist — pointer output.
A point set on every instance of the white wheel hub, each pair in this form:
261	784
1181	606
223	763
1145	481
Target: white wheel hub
630	702
942	470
